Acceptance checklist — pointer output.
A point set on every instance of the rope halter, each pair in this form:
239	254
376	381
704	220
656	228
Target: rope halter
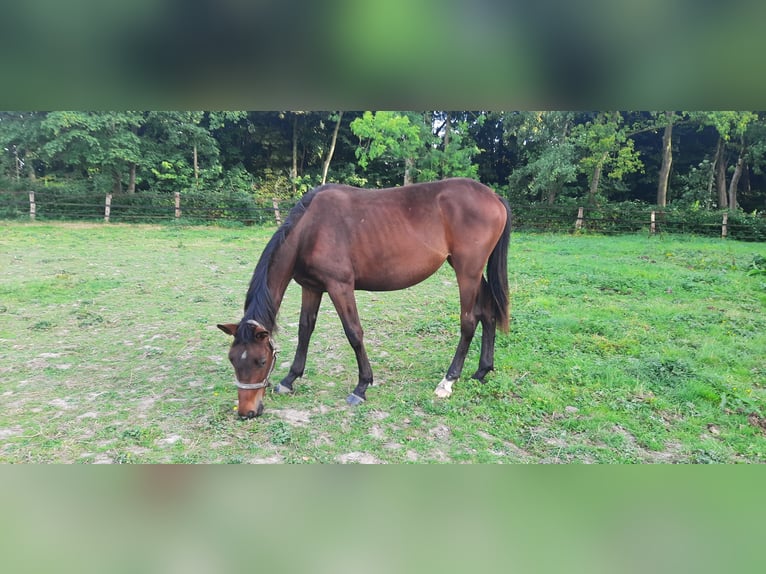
265	382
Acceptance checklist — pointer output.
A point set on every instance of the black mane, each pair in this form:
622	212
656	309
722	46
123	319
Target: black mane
259	305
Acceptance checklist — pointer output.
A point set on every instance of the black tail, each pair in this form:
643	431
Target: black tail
497	274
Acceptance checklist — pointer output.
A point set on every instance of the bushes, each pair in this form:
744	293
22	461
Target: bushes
225	204
65	202
634	217
239	202
747	226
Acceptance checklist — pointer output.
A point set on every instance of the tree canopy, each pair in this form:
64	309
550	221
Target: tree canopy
711	159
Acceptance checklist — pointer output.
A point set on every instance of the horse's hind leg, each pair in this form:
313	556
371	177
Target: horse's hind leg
469	292
488	330
310	301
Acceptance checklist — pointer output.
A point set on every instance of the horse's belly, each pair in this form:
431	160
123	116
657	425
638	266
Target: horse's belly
394	277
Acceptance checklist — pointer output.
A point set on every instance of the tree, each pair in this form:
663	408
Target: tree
667	160
99	143
498	155
451	153
331	151
181	151
20	136
732	127
389	135
547	149
606	148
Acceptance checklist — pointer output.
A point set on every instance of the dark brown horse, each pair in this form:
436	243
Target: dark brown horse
338	239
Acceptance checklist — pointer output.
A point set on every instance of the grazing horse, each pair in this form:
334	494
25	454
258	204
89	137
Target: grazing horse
339	238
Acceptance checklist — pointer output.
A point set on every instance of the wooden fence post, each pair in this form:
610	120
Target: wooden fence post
32	206
725	225
178	204
277	215
107	207
652	225
579	222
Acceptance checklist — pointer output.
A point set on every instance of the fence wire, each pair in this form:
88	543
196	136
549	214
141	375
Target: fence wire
238	207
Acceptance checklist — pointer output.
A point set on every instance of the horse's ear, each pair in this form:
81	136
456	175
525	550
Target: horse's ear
259	330
229	328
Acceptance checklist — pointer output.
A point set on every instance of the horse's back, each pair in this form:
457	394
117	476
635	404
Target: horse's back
396	237
343	202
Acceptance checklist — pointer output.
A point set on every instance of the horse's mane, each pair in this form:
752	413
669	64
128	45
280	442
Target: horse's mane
259	304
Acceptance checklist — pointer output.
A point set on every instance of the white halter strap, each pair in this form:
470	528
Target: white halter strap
265	382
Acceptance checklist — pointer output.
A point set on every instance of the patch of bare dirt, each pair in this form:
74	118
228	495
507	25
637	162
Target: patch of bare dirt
757	421
510	449
275	458
357	457
168	440
671	455
294	417
9	432
440	432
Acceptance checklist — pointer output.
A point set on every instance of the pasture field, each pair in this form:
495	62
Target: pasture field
623	349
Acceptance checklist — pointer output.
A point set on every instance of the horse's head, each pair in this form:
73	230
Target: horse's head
253	356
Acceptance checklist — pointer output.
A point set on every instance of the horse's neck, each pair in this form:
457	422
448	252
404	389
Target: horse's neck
281	272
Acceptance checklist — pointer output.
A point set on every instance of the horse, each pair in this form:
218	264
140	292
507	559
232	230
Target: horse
338	239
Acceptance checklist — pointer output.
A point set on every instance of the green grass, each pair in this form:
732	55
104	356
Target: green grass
622	349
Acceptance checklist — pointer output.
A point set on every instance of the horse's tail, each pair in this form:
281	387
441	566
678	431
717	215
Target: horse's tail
497	273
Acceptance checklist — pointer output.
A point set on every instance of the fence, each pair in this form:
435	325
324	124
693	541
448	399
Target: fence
143	207
233	205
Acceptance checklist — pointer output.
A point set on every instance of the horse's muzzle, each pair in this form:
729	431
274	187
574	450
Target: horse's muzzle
253	414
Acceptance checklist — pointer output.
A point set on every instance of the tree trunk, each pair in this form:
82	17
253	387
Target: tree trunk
735	177
716	159
294	169
196	167
723	197
132	179
447	131
331	151
31	168
596	178
552	193
555	190
408	164
18	162
667	161
116	182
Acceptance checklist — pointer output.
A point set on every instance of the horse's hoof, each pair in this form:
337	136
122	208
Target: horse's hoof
280	389
481	374
354	400
444	389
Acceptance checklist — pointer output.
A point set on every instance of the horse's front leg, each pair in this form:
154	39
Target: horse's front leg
310	301
342	296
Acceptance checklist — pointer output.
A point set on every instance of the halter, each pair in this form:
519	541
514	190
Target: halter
265	382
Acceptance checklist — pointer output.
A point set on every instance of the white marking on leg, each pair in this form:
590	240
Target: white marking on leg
444	389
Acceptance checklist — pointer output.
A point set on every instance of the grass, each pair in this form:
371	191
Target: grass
622	349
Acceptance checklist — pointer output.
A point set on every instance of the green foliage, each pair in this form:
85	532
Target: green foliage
279	433
549	153
757	265
548	157
727	123
605	145
386	134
